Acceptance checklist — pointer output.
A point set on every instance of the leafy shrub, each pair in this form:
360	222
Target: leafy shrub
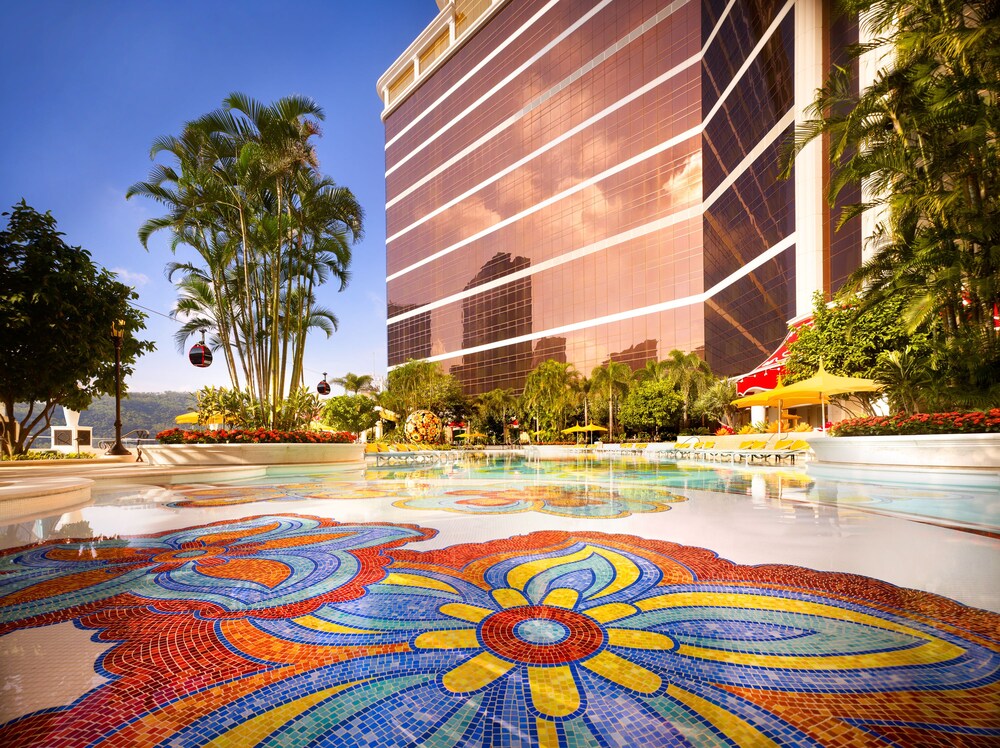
255	436
49	454
241	410
972	422
724	431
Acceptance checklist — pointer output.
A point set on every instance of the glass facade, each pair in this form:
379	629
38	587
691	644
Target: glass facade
589	181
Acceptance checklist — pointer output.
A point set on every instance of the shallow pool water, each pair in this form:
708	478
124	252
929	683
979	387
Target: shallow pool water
503	602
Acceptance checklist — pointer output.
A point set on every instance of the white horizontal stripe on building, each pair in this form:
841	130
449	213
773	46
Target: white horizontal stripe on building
625	236
489	58
766	256
530	106
598	177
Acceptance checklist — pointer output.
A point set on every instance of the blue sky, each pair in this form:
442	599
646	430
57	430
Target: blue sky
87	86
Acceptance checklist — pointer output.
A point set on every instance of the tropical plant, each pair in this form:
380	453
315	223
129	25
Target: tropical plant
243	189
240	409
922	140
848	337
354	413
691	375
494	409
549	393
655	371
651	405
716	403
355	384
613	379
907	377
58	309
423	385
585	387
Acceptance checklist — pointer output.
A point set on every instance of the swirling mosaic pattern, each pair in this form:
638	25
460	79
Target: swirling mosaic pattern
560	500
274	566
553	638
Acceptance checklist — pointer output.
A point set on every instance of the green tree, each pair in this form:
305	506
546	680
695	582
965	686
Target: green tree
354	413
585	386
690	375
651	406
549	393
850	339
423	384
716	403
923	139
243	189
57	309
355	384
653	371
494	409
613	379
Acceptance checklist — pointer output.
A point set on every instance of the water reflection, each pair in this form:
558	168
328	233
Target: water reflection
581	489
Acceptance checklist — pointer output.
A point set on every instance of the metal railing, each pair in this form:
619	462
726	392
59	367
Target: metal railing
128	441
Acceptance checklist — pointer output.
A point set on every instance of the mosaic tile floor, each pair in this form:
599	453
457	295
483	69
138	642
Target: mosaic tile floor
410	611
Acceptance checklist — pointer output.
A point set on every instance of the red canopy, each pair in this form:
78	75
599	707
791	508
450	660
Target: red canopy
766	375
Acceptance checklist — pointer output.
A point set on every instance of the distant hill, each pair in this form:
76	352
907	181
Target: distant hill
154	411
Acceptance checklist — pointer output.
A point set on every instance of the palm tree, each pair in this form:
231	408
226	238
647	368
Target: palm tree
355	383
691	376
496	404
653	371
922	139
613	378
548	390
585	386
716	402
244	190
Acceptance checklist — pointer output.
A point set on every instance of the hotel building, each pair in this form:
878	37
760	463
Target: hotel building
589	180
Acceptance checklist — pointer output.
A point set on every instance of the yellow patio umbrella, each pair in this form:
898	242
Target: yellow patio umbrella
192	417
781	396
822	384
578	429
592	427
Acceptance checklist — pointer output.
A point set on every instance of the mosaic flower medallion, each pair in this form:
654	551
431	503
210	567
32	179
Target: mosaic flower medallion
553	638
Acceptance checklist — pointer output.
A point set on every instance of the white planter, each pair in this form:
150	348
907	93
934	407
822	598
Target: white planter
254	454
937	456
72	418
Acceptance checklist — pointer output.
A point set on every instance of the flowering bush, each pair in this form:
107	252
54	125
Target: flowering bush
724	431
975	422
255	436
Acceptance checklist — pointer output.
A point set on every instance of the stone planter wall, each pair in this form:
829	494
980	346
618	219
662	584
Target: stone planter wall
967	458
255	454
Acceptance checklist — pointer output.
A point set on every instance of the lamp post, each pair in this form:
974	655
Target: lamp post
117	335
